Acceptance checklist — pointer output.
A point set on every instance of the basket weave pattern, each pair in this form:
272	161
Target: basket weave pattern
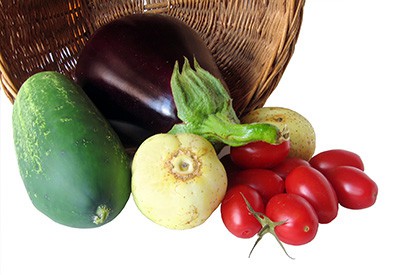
252	41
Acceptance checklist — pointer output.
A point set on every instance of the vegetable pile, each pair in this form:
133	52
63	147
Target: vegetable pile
289	199
287	189
146	87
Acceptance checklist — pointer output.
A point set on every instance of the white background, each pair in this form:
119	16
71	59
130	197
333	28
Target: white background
344	77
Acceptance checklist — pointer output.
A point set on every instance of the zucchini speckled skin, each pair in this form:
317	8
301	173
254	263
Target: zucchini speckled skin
72	163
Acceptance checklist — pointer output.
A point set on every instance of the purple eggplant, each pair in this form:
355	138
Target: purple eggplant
126	67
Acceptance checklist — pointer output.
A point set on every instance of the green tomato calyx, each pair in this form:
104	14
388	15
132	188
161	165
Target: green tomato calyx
268	226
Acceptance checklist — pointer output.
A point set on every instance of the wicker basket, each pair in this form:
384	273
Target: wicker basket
252	41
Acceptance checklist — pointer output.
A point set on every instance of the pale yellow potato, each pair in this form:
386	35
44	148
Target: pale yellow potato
301	132
177	180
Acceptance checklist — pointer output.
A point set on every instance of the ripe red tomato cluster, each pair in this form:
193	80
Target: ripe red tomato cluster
290	196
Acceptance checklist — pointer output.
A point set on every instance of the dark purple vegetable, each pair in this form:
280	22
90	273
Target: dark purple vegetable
126	67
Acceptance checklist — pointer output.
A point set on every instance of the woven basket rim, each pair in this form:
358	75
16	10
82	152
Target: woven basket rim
289	25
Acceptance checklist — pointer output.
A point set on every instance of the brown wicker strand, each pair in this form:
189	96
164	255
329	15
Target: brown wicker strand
252	41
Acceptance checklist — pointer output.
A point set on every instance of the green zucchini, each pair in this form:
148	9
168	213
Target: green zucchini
72	163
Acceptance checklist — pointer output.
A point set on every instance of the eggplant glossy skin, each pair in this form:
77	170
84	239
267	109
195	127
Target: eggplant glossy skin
126	67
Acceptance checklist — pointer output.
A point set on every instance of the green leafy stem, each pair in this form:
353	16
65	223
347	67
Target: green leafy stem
205	108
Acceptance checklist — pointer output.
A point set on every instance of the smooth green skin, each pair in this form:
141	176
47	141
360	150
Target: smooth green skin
72	163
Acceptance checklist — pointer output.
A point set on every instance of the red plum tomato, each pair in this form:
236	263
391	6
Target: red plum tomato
354	188
260	154
235	214
301	224
286	166
312	185
266	182
327	160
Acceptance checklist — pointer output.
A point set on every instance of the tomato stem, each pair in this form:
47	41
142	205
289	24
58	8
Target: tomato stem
268	226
